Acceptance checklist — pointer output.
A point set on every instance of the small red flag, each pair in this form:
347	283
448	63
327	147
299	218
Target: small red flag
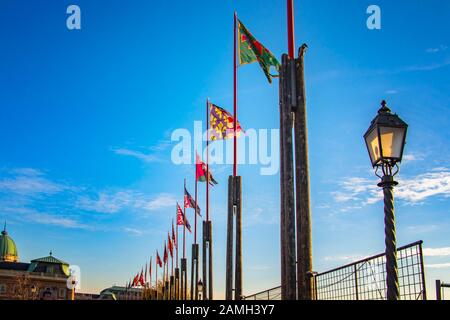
169	242
166	257
158	260
189	202
141	278
135	280
180	220
174	238
200	169
188	225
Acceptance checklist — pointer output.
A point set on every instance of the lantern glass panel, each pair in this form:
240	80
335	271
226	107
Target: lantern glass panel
392	142
373	146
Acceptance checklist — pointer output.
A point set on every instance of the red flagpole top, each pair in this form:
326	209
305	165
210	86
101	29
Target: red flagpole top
290	28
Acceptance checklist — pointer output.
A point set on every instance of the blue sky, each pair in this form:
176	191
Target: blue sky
86	118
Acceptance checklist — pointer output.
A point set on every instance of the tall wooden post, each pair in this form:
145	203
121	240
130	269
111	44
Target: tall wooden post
207	292
230	229
304	233
183	279
287	210
194	272
210	260
238	252
204	261
234	217
177	283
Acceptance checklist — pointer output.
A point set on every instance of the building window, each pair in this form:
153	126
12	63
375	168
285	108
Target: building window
50	269
2	288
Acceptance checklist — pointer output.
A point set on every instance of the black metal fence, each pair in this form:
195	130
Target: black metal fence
440	289
366	279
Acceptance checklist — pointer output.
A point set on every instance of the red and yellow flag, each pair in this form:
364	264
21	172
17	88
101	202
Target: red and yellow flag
222	124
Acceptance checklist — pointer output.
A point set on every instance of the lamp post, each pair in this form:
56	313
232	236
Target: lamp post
385	141
33	292
200	289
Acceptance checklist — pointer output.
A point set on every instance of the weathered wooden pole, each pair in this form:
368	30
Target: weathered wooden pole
204	260
234	213
230	229
238	252
177	283
287	210
194	272
304	233
183	279
438	290
207	291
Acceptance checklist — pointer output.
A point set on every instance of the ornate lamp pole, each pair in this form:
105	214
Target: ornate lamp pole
385	141
200	289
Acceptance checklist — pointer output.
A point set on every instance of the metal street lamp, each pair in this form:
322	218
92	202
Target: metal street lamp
33	291
385	141
200	289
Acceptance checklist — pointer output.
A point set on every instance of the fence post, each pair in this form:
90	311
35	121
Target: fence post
438	290
356	282
424	288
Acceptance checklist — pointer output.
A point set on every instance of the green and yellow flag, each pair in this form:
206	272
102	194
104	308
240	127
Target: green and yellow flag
251	50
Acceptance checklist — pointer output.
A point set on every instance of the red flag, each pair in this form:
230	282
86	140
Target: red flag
200	169
174	238
188	226
141	278
165	253
180	220
170	244
189	202
135	280
158	260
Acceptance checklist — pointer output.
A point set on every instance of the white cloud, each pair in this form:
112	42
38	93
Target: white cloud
153	156
260	216
29	182
344	258
410	190
438	265
34	216
392	91
424	186
161	201
132	231
436	252
422	228
411	157
113	202
436	49
48	219
148	158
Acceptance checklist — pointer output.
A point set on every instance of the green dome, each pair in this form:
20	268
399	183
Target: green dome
8	249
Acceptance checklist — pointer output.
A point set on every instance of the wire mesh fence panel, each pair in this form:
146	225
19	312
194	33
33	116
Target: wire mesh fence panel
271	294
366	279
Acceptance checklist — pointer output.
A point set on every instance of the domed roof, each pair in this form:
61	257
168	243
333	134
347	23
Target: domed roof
8	249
